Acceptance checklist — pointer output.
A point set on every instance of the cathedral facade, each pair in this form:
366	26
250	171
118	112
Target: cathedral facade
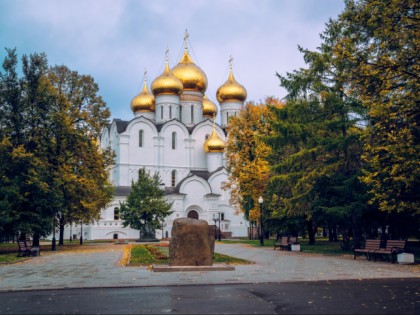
174	133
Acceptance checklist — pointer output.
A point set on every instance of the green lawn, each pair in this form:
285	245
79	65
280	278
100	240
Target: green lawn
154	254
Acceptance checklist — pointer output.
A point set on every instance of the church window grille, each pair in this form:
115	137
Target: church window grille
141	132
116	213
173	178
173	140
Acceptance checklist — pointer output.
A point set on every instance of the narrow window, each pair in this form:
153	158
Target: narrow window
173	178
222	216
141	138
170	112
192	114
173	140
116	213
161	112
180	113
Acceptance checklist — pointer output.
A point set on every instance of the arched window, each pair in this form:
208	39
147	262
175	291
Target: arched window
222	216
170	112
173	178
141	134
161	112
173	140
116	213
180	113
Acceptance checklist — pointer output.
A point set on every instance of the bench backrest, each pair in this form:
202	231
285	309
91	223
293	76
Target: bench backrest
284	240
392	244
292	239
372	244
22	245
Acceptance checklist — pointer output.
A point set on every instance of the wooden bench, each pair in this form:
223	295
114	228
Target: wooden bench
371	245
283	244
25	249
392	249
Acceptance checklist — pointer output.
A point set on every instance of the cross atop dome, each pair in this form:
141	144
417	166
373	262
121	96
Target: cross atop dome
186	39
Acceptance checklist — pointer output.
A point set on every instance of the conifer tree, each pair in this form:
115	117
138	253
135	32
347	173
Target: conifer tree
145	207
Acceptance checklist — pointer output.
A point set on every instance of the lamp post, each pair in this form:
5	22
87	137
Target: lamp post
260	201
81	232
53	245
218	237
215	220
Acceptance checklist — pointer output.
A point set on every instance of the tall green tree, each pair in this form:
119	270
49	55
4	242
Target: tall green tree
380	39
145	207
50	158
317	135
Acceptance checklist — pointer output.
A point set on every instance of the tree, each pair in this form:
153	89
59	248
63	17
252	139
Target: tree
145	207
317	137
381	41
246	157
50	158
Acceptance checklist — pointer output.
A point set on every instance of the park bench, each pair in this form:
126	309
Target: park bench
25	249
283	244
371	245
391	250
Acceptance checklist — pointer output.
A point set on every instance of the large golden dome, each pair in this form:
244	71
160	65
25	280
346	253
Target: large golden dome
191	76
144	101
209	108
231	90
167	83
214	144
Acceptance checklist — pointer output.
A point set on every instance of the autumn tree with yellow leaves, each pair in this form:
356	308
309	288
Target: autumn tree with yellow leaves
247	156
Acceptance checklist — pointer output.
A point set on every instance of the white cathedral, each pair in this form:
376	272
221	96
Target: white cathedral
173	133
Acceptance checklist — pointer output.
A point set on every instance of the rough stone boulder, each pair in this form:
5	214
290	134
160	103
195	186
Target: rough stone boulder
191	244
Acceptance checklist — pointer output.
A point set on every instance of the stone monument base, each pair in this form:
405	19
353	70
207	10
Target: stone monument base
160	268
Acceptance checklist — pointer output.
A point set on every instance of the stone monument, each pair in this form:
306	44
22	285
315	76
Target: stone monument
192	243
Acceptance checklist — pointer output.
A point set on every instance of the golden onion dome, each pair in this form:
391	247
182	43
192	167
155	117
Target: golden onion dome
209	108
167	83
191	76
214	144
231	90
144	101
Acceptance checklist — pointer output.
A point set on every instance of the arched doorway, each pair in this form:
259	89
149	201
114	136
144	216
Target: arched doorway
192	214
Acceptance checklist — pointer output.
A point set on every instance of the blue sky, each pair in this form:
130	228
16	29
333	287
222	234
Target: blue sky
115	40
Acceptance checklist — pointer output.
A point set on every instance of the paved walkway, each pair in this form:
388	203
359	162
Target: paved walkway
101	268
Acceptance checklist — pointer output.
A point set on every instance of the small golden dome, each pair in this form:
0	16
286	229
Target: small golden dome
191	76
214	144
231	90
144	101
209	108
167	83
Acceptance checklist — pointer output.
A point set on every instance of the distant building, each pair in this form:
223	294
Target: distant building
174	133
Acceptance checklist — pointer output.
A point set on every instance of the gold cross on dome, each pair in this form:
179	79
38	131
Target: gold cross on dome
186	39
167	53
230	61
145	74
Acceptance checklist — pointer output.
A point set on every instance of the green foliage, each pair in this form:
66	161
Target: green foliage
50	164
380	40
145	205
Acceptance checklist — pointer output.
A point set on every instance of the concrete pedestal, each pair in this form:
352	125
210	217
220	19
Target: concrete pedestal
405	258
295	247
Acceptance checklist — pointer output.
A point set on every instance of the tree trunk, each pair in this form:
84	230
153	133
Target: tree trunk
311	232
61	237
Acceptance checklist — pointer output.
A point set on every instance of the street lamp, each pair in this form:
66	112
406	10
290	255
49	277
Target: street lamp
215	220
53	239
218	238
260	201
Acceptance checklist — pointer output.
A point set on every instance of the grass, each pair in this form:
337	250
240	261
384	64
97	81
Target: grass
155	254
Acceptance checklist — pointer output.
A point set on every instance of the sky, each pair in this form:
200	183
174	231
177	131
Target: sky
114	41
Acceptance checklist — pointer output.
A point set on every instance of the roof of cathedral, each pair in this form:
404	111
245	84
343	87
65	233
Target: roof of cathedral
167	82
121	125
144	101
